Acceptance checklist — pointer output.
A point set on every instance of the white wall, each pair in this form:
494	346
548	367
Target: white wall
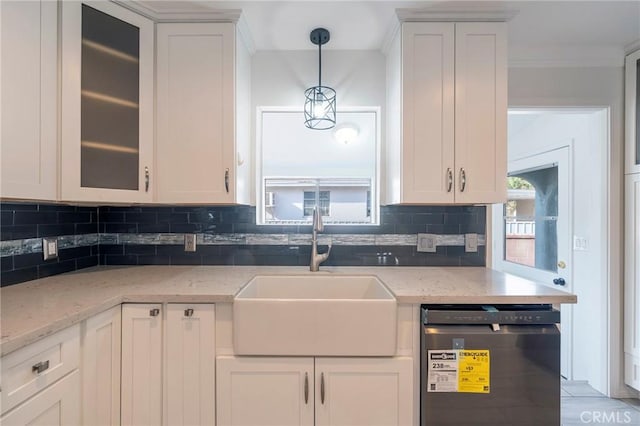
601	87
279	78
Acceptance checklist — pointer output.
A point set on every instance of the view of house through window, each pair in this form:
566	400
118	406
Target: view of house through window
300	168
530	218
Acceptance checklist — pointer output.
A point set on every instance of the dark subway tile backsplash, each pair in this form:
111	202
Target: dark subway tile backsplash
23	221
128	236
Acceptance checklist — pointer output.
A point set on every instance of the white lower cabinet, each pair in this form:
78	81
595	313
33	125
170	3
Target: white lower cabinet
172	351
314	391
265	391
141	392
41	381
190	365
59	404
364	391
101	343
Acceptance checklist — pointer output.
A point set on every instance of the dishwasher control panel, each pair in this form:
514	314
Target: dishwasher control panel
490	314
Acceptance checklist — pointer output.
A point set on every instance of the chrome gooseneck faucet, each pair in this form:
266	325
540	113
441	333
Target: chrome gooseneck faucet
317	258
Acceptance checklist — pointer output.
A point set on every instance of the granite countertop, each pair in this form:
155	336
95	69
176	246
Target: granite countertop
32	310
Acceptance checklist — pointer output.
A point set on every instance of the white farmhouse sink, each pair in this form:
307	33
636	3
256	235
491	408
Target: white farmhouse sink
314	315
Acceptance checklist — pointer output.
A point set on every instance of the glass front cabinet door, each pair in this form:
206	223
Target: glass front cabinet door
632	108
107	104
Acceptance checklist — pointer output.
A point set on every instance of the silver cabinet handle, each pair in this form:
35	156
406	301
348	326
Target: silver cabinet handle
154	312
226	180
188	312
146	179
322	388
463	179
449	180
40	367
306	388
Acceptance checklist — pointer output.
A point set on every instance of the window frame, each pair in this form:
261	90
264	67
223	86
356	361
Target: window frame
260	193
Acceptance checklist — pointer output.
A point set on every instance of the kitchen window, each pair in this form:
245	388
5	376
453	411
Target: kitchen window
320	198
299	168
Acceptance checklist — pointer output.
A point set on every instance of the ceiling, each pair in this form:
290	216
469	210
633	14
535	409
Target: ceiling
364	25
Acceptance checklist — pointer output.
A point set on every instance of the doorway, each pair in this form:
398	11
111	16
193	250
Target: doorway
553	228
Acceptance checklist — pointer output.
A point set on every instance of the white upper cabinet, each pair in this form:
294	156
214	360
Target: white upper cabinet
632	109
107	104
481	113
447	112
29	89
202	106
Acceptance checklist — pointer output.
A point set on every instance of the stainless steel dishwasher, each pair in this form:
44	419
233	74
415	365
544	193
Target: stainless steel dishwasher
490	365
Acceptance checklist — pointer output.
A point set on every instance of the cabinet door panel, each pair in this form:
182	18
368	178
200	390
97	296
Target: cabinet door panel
107	103
364	391
141	365
59	404
264	391
428	112
481	113
195	145
101	369
632	281
190	364
29	103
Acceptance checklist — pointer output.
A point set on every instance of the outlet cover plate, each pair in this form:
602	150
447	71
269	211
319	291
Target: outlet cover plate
190	242
50	248
471	243
427	243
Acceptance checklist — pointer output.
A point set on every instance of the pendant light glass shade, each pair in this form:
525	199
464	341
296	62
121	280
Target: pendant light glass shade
320	101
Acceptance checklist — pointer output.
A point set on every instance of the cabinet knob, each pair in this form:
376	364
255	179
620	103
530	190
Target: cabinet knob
154	312
449	179
322	388
306	388
188	313
40	367
226	180
147	179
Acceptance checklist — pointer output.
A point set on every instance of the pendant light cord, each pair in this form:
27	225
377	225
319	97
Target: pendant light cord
319	65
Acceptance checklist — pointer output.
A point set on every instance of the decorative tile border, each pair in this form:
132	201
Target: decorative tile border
34	245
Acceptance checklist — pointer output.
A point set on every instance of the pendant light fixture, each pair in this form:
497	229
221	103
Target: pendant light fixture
320	101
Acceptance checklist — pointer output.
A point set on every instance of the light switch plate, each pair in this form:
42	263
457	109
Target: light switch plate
471	243
190	242
50	248
427	243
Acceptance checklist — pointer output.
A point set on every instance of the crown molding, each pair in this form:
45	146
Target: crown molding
245	34
632	47
187	12
390	35
455	15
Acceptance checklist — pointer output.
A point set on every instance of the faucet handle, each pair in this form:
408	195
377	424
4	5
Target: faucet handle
317	220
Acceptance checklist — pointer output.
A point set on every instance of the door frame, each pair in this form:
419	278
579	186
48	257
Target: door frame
612	158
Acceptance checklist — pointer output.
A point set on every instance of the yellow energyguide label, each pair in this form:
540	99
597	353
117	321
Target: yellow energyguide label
473	371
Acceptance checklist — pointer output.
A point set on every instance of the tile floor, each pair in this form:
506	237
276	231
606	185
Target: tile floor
583	405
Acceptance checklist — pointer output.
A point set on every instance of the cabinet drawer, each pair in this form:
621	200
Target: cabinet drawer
34	367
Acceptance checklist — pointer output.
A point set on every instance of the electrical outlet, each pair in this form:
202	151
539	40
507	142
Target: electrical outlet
50	248
427	243
190	242
471	243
